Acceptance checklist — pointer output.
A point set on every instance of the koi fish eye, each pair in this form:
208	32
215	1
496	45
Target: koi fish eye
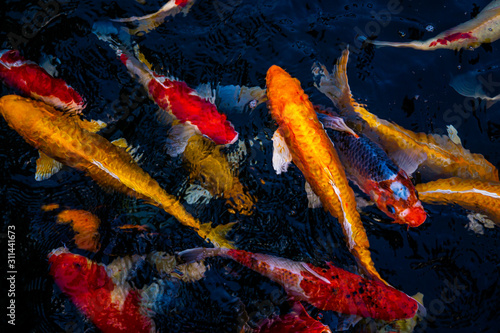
391	209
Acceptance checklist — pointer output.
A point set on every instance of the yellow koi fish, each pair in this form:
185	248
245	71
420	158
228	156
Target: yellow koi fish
85	225
435	155
302	135
62	138
473	194
484	28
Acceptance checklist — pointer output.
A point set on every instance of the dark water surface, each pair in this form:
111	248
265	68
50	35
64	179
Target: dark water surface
234	42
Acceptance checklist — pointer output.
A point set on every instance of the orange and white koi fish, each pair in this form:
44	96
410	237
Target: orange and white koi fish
476	195
144	24
62	138
34	81
434	155
85	225
484	28
301	138
331	288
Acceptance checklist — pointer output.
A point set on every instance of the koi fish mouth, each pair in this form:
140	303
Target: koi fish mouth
413	217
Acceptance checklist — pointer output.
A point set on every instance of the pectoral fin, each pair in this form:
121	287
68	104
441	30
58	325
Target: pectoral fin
335	123
122	143
93	126
281	154
178	137
46	167
408	159
313	201
453	134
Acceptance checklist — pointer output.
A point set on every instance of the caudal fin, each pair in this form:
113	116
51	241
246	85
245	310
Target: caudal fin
197	254
217	235
335	85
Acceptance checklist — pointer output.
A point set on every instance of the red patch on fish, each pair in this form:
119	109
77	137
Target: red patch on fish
181	3
187	106
33	81
351	294
298	320
452	38
89	287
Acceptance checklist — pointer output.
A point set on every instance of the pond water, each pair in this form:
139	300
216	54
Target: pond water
234	42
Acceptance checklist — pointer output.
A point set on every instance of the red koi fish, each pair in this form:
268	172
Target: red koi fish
33	81
112	308
371	169
329	288
484	28
172	96
297	320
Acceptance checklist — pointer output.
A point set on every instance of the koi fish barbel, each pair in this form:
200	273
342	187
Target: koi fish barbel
62	139
484	28
435	155
302	139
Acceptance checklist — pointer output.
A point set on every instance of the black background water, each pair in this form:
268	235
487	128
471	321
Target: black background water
235	42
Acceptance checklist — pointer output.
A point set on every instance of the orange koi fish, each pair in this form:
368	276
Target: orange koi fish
484	28
434	155
297	320
62	138
144	24
331	289
85	225
111	307
209	166
476	195
301	138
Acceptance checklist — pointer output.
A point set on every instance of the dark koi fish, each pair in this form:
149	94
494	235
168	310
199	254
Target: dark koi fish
331	288
34	81
376	174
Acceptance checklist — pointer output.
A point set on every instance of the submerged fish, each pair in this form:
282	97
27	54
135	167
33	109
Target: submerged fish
434	155
331	288
484	28
111	307
146	23
172	96
61	137
369	167
473	83
297	321
34	81
301	138
85	225
473	194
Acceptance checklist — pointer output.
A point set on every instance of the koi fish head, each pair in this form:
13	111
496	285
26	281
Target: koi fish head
398	199
77	275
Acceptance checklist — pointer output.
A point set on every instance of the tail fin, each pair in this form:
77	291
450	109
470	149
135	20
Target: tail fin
334	85
144	24
197	254
217	235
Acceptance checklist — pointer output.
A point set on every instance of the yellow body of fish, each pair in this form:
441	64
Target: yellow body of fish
62	138
85	225
208	165
314	154
476	195
439	155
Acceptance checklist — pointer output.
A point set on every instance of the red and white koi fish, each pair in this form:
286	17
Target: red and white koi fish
172	96
369	167
34	81
144	24
111	307
484	28
331	288
297	321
